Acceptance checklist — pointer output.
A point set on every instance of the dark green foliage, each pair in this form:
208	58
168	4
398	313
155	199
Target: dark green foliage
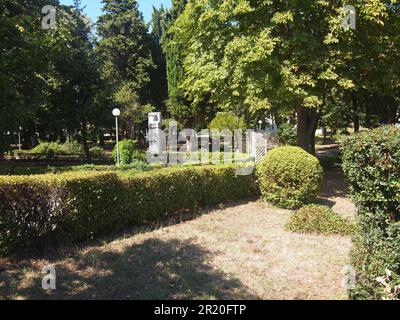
371	161
125	47
81	206
287	134
159	86
25	56
178	106
320	220
4	145
289	177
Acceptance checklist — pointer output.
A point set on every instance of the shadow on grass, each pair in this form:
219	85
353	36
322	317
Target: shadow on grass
335	184
52	249
153	269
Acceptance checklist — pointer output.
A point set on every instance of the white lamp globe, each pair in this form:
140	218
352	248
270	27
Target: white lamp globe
116	112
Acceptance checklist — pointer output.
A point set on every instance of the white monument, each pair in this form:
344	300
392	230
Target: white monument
156	143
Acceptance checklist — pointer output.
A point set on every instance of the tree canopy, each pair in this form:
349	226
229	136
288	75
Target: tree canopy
252	55
293	60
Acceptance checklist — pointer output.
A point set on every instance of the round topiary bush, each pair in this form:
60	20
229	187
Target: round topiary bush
289	177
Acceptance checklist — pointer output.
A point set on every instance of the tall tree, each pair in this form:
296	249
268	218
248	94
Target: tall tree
159	86
125	48
25	52
77	75
369	52
261	55
178	106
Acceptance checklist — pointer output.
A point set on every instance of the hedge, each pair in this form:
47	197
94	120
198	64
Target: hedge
289	177
371	161
80	206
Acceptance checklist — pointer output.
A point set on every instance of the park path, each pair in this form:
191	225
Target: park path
238	251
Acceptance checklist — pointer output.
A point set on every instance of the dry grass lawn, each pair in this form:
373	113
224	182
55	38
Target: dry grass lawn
237	252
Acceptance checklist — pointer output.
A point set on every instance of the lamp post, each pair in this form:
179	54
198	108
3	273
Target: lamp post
260	123
116	113
19	139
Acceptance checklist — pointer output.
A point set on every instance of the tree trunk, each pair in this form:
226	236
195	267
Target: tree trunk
356	118
85	143
302	129
306	127
101	138
26	140
130	129
313	116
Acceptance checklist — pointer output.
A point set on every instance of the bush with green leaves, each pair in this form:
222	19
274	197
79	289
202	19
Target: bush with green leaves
57	148
320	220
287	134
371	162
12	170
128	152
289	177
227	120
96	152
82	205
50	150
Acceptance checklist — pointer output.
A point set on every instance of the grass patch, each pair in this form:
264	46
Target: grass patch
317	219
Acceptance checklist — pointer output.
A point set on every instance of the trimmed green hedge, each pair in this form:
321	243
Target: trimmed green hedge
371	161
289	177
80	206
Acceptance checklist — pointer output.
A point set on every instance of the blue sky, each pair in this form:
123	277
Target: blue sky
93	7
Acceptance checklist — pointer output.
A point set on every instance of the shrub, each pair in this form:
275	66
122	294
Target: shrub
69	148
289	177
227	120
80	206
128	152
97	152
44	147
320	220
287	134
50	149
136	167
373	255
371	161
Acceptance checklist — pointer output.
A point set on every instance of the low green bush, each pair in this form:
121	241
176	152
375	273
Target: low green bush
96	152
129	153
50	150
320	220
67	148
371	162
81	206
10	170
289	177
